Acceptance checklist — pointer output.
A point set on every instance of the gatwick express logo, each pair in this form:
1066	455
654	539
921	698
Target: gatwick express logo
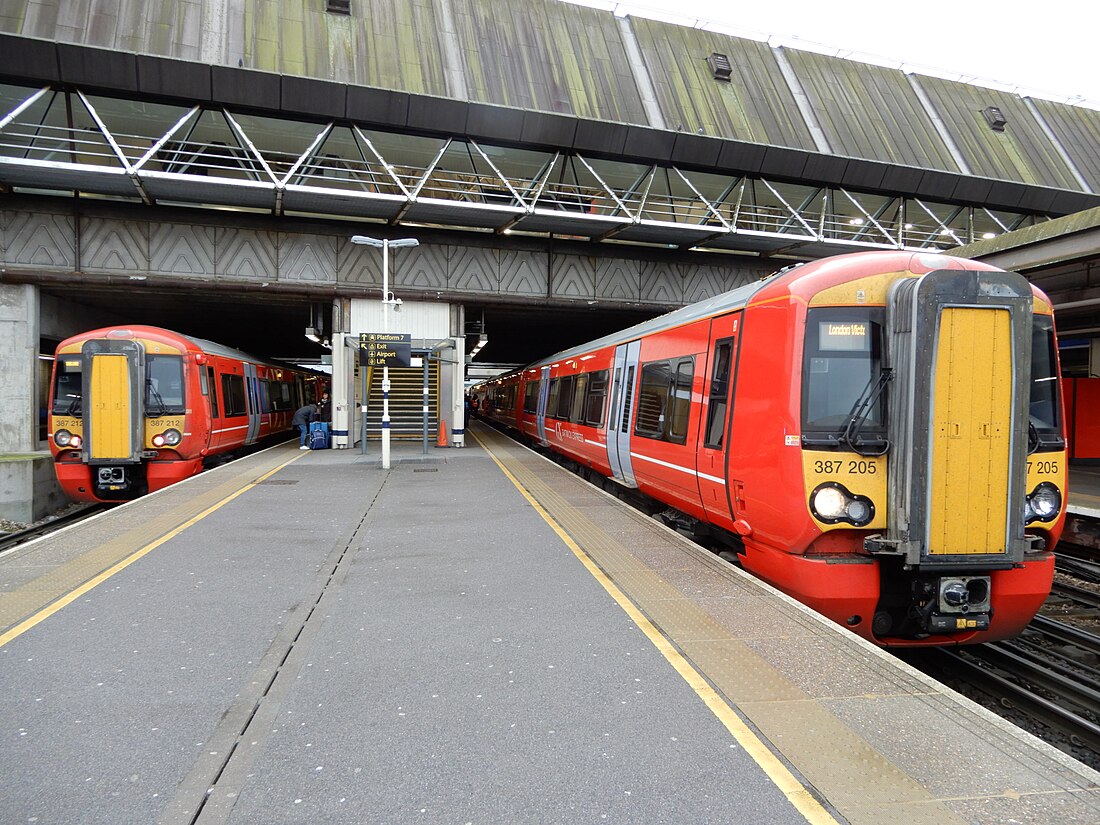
566	435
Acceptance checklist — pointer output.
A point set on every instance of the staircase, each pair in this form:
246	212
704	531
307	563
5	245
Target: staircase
406	403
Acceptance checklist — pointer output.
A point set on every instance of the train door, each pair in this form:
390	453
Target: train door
618	421
717	394
252	390
540	414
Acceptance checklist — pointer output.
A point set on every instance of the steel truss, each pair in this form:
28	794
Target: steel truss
67	142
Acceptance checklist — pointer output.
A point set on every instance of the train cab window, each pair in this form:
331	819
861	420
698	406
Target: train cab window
1045	432
842	365
596	399
213	392
531	397
68	388
233	395
664	400
719	394
163	385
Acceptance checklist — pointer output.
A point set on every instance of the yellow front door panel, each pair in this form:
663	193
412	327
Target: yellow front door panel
971	430
111	423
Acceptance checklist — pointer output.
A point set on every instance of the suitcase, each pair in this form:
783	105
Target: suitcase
318	435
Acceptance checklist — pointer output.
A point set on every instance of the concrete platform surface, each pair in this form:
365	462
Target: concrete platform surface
474	635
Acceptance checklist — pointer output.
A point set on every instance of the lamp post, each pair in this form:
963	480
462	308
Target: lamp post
387	300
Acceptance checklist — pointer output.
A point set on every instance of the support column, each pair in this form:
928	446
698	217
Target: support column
18	355
28	488
343	385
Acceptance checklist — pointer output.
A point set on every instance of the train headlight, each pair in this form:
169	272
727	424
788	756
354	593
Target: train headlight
1044	503
62	438
76	441
168	438
829	502
832	503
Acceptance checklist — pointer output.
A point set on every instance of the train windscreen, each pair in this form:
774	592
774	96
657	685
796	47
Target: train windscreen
163	385
843	360
68	388
1045	402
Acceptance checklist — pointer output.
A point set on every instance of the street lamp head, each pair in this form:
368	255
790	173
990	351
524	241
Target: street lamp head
369	241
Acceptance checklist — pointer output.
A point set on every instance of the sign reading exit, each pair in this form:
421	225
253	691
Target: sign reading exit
385	349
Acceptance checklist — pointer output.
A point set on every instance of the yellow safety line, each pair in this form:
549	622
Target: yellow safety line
73	595
803	801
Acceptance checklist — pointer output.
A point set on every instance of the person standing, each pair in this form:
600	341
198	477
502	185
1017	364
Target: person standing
301	420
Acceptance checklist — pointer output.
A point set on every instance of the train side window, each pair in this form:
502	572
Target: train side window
213	392
653	399
719	394
552	398
681	401
280	400
233	395
576	409
597	396
565	398
628	397
265	395
531	397
664	400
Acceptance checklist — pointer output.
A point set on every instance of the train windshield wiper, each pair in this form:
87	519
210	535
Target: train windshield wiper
156	397
858	416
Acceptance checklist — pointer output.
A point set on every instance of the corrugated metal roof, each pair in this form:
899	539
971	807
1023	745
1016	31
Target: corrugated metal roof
1078	130
1021	152
870	111
756	105
548	56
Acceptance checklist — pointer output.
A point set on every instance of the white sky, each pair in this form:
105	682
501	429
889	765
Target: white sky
1043	48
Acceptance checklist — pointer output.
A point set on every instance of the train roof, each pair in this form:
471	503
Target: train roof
884	260
208	347
726	301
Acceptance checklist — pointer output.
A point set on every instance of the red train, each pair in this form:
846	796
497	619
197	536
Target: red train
134	409
880	435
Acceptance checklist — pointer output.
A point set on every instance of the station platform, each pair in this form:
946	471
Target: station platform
1084	492
472	636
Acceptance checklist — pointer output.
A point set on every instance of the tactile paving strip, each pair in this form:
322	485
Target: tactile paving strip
37	575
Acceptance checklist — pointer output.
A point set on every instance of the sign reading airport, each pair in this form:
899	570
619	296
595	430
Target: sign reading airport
385	349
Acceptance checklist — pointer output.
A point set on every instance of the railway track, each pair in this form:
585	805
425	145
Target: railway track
8	541
1078	561
1046	681
1049	676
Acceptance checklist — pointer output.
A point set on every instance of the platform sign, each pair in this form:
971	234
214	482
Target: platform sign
385	349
